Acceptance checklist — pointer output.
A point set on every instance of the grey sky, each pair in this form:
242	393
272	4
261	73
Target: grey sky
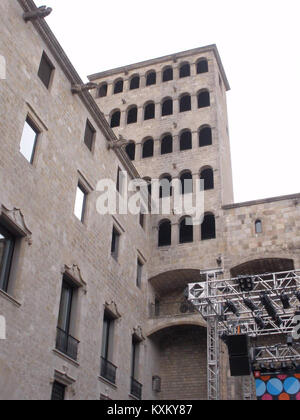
258	41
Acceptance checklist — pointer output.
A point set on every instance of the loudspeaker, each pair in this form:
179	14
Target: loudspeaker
239	358
240	366
238	345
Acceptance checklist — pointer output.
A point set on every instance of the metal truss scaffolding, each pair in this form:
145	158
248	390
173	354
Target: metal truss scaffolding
256	305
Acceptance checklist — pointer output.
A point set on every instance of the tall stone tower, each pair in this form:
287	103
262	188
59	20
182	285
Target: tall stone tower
173	112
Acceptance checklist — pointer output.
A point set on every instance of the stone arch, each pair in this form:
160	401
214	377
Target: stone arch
262	265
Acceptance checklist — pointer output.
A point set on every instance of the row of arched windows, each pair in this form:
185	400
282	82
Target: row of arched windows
151	77
186	182
186	230
185	104
166	143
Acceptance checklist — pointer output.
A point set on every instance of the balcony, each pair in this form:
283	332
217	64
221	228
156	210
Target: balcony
136	389
67	344
171	309
108	370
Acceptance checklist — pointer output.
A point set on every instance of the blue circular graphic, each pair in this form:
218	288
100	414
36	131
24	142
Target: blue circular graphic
275	386
291	386
260	387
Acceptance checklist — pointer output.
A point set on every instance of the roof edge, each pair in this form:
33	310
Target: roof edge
262	201
169	57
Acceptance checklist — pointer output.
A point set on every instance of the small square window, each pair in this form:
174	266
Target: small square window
80	202
115	243
29	140
89	135
7	246
58	392
45	70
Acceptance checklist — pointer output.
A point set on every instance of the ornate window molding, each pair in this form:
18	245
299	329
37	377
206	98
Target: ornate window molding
15	220
75	275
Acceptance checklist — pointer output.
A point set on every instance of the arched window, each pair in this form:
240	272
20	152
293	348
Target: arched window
185	103
165	188
202	66
186	140
167	107
102	92
134	83
205	136
186	230
149	112
207	175
148	180
132	115
208	227
148	148
167	144
151	78
130	150
118	86
186	180
167	74
165	233
258	226
115	119
185	70
203	99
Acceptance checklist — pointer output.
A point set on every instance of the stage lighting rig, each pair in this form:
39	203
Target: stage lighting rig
230	306
285	301
250	304
246	283
260	322
270	308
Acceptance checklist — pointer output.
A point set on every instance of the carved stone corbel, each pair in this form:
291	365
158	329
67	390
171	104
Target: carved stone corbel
117	144
40	12
15	218
79	88
138	333
112	308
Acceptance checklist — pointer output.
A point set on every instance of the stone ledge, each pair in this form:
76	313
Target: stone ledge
65	357
10	298
106	381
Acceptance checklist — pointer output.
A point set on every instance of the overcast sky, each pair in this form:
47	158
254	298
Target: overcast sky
258	41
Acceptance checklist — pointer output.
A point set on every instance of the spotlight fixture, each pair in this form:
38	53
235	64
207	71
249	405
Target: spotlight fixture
289	341
270	308
250	304
246	283
260	322
232	307
272	366
285	301
297	294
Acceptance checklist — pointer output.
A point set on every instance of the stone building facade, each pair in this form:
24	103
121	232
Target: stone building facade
93	304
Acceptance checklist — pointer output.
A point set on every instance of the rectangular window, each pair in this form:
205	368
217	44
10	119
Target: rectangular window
7	246
108	370
64	341
139	273
58	392
115	243
80	202
45	70
120	180
29	140
142	219
136	387
89	135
